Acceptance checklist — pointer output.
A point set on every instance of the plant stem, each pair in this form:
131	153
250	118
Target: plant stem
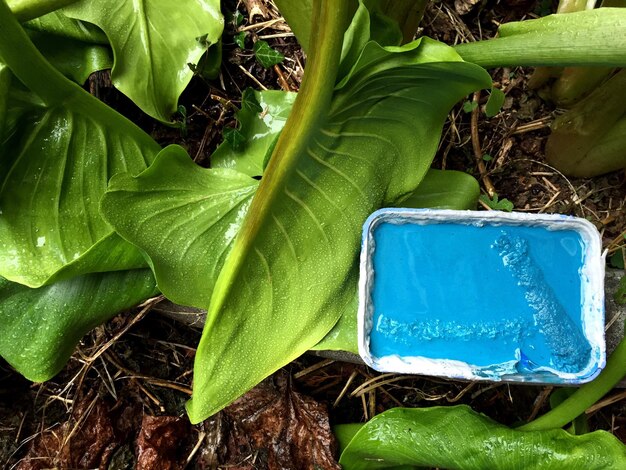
585	396
593	37
26	62
26	10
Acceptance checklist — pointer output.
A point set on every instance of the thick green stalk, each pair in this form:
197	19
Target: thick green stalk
585	396
26	10
26	62
593	37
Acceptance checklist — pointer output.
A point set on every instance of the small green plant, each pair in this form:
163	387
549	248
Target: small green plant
496	203
266	55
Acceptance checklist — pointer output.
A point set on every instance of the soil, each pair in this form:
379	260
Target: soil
125	409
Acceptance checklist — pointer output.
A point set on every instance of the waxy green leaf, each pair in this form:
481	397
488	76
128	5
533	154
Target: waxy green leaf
58	24
240	39
39	328
459	438
55	168
183	217
259	127
284	291
55	164
153	42
496	203
74	59
445	189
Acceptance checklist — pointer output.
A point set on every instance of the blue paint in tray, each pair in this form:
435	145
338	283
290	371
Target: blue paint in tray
499	299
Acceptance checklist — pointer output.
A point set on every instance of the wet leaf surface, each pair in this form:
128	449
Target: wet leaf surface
159	443
275	427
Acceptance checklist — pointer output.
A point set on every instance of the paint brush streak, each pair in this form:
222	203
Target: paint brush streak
569	348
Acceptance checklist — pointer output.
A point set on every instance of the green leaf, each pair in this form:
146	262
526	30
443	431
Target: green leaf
354	40
617	259
153	41
440	189
469	106
495	102
459	438
260	126
58	24
344	334
445	189
74	59
250	102
39	328
497	204
404	15
234	138
210	63
183	217
266	55
240	39
292	270
55	166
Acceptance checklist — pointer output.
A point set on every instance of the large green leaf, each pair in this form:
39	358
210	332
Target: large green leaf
445	189
183	217
440	189
54	167
259	128
39	328
153	42
458	438
292	269
74	59
60	25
